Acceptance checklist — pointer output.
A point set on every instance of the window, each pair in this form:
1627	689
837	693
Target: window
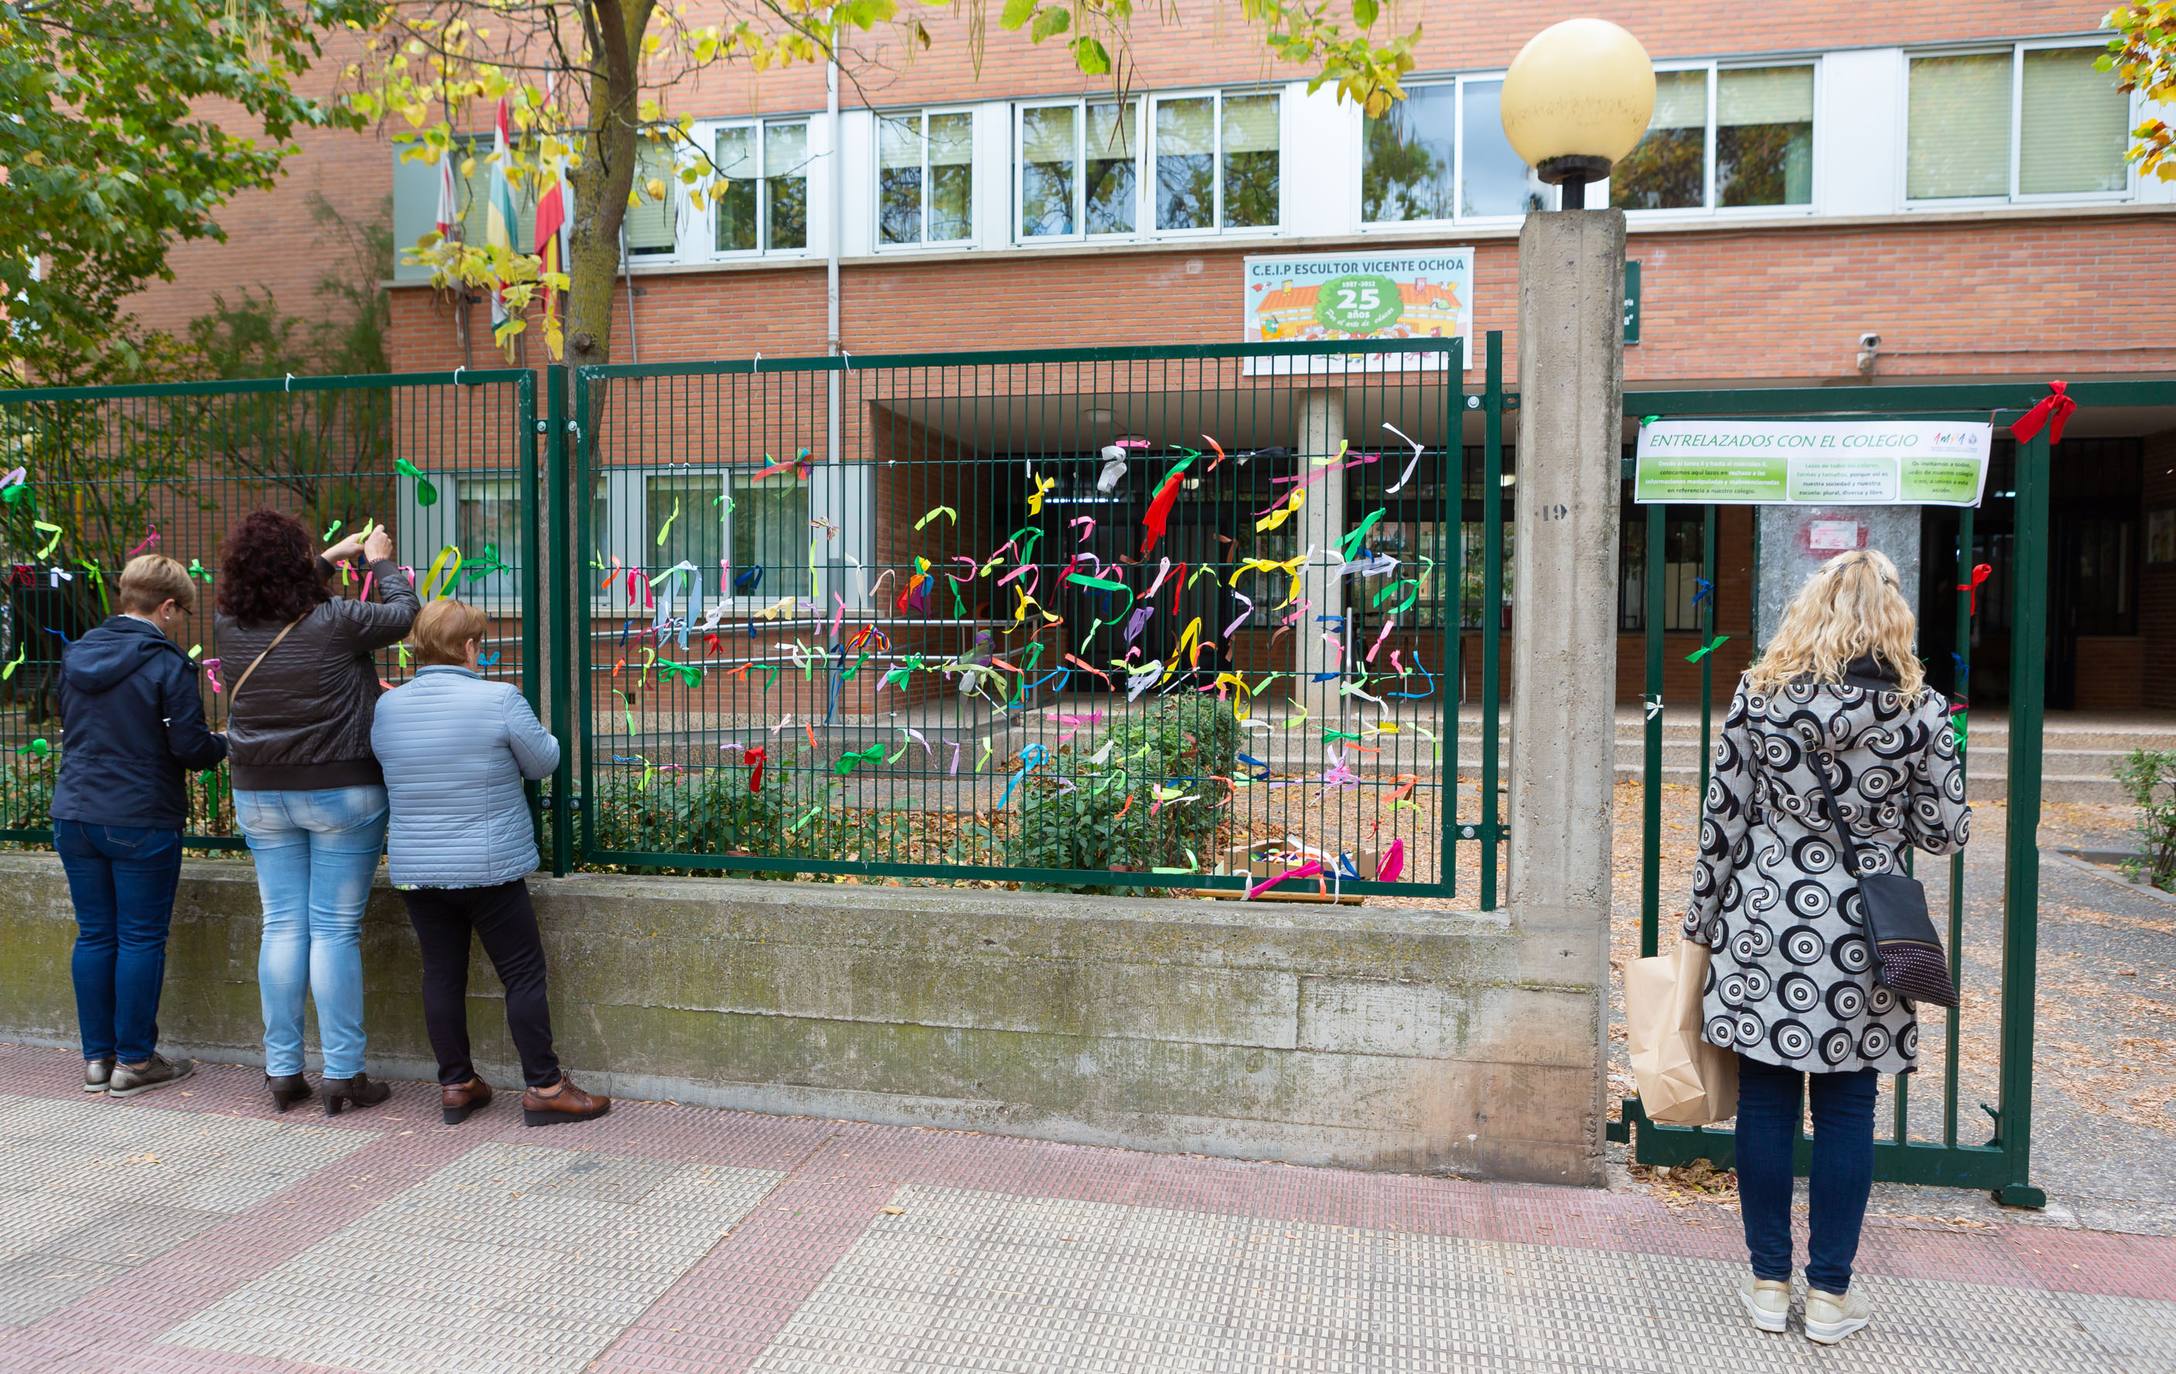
651	226
1080	165
1493	180
1681	540
474	198
925	177
1729	137
769	524
765	525
1217	162
1407	165
1441	154
487	521
2021	122
759	203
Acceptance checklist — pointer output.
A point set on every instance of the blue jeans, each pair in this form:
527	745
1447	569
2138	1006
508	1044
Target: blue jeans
1771	1104
316	853
122	879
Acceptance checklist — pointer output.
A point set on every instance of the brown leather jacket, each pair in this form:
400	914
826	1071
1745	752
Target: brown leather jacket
303	721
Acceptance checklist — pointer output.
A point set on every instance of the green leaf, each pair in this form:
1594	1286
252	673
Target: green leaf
1054	19
1091	57
1363	13
1017	13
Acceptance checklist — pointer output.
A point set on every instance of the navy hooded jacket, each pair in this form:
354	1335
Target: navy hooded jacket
132	721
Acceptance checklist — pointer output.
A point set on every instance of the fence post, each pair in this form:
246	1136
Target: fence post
2021	895
558	605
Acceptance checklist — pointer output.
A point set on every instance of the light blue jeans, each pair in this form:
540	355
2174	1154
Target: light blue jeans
316	853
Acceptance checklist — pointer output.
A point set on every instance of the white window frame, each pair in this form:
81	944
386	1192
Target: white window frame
1145	108
2017	53
1711	206
876	181
1458	216
1458	165
705	224
1145	181
1080	233
840	493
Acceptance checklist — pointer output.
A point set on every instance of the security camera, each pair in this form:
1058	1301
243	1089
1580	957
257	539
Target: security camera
1869	351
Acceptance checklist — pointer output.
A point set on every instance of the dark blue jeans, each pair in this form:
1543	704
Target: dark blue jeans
1771	1104
122	878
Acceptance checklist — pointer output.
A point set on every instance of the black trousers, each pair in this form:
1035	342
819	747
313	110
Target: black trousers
503	919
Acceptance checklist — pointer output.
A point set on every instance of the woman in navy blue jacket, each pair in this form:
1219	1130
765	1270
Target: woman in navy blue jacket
132	723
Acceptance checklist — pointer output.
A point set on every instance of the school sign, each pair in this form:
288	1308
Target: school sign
1813	462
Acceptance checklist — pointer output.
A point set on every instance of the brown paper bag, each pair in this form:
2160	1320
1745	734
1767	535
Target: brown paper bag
1683	1080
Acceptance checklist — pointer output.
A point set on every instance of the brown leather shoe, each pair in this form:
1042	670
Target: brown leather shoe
568	1104
455	1103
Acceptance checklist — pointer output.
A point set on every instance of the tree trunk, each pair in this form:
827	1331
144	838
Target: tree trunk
606	176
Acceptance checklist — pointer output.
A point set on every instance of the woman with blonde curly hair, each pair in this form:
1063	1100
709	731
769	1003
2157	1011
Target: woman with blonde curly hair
1838	692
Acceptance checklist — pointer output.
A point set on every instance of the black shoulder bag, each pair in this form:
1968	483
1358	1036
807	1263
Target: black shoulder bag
1907	951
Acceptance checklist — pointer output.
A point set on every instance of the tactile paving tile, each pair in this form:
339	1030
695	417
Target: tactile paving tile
91	1188
513	1258
970	1280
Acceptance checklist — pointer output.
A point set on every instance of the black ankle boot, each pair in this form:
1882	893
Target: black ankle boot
358	1091
288	1089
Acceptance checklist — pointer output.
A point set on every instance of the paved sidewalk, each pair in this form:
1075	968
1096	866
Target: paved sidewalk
195	1230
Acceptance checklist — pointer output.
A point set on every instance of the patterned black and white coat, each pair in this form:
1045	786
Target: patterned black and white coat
1792	977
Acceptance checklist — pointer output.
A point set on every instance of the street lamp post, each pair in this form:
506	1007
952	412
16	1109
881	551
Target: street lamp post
1576	99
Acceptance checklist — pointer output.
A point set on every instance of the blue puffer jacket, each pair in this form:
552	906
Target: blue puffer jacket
455	749
131	722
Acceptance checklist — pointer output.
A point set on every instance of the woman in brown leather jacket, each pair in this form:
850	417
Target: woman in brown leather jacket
307	791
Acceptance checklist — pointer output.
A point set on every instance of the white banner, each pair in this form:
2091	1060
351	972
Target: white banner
1813	462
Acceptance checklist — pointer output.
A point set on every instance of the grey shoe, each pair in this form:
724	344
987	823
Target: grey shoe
96	1072
1832	1316
155	1072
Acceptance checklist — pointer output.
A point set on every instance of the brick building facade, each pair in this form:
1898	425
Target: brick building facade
1947	176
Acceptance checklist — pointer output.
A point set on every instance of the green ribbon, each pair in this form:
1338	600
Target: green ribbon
849	762
485	564
426	494
1351	542
690	674
1710	647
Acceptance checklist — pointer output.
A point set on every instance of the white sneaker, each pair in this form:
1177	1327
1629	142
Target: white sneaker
1831	1316
1766	1301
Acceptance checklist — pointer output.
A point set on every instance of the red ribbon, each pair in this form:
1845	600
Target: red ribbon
2051	410
1980	573
1159	511
755	779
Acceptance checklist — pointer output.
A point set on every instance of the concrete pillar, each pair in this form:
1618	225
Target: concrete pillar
1564	635
1321	523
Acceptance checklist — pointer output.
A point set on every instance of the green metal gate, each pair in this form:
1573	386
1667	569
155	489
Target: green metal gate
1924	1142
447	461
890	617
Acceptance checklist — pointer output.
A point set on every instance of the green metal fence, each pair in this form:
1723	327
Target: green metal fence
1985	1048
446	461
1131	618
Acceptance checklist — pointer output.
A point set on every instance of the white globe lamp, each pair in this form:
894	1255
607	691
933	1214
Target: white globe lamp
1576	99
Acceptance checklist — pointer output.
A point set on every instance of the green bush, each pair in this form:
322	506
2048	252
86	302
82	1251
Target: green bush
2149	777
714	813
1184	742
26	793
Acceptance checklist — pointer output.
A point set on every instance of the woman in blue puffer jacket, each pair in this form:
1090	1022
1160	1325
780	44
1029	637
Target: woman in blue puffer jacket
455	749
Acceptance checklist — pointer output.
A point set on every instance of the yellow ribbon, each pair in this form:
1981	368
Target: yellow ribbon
1290	567
1035	497
438	568
1277	517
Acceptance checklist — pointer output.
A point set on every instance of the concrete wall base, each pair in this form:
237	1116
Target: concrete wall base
1370	1038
